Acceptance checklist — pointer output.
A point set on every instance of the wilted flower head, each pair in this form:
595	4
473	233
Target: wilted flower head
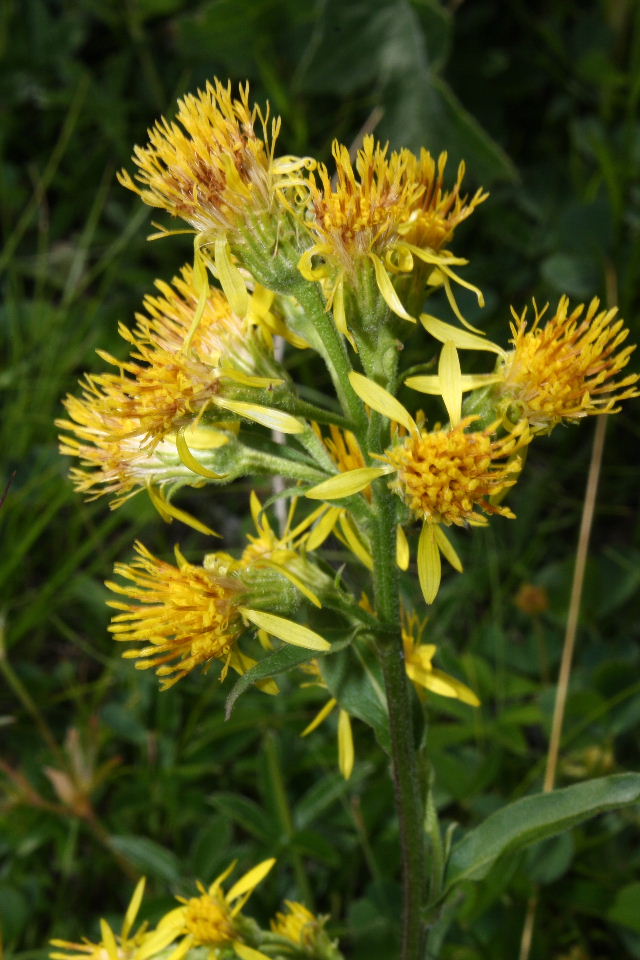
436	212
214	165
388	212
566	369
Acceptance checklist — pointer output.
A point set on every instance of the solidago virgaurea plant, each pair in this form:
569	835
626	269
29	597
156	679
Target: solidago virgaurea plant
340	262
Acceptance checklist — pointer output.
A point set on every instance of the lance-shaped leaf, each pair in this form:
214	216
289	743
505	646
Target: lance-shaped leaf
533	818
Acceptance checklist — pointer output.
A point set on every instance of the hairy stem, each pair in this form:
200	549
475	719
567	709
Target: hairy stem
406	779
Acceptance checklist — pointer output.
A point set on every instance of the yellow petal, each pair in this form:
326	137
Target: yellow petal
387	289
247	380
201	285
169	512
250	880
108	940
402	549
266	416
319	717
134	906
190	461
355	540
469	381
231	280
461	339
201	437
450	376
381	401
306	267
248	953
447	550
429	569
286	630
323	528
448	686
346	754
346	484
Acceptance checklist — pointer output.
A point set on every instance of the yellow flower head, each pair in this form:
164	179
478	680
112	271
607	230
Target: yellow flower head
362	213
185	616
298	925
444	475
436	212
213	918
565	370
127	945
210	166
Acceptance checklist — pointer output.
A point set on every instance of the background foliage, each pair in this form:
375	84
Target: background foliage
542	103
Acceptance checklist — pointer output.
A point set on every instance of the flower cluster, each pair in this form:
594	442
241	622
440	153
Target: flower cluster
291	255
213	919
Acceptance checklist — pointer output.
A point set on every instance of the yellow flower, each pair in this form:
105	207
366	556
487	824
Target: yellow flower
210	166
298	925
565	369
283	553
442	476
189	616
418	661
177	372
126	945
213	919
115	460
391	210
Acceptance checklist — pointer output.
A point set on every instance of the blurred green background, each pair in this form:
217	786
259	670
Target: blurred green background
541	100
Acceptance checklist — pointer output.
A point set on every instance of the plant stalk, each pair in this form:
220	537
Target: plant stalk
406	778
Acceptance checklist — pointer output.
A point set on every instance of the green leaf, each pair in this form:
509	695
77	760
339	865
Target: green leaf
534	818
150	857
282	660
249	815
357	685
626	907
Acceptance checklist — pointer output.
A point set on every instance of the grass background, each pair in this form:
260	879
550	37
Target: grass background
542	103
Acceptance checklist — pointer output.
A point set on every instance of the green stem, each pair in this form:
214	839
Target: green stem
270	464
406	778
333	351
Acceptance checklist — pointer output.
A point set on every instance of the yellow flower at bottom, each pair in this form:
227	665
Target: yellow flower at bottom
185	615
298	925
213	918
141	945
566	369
